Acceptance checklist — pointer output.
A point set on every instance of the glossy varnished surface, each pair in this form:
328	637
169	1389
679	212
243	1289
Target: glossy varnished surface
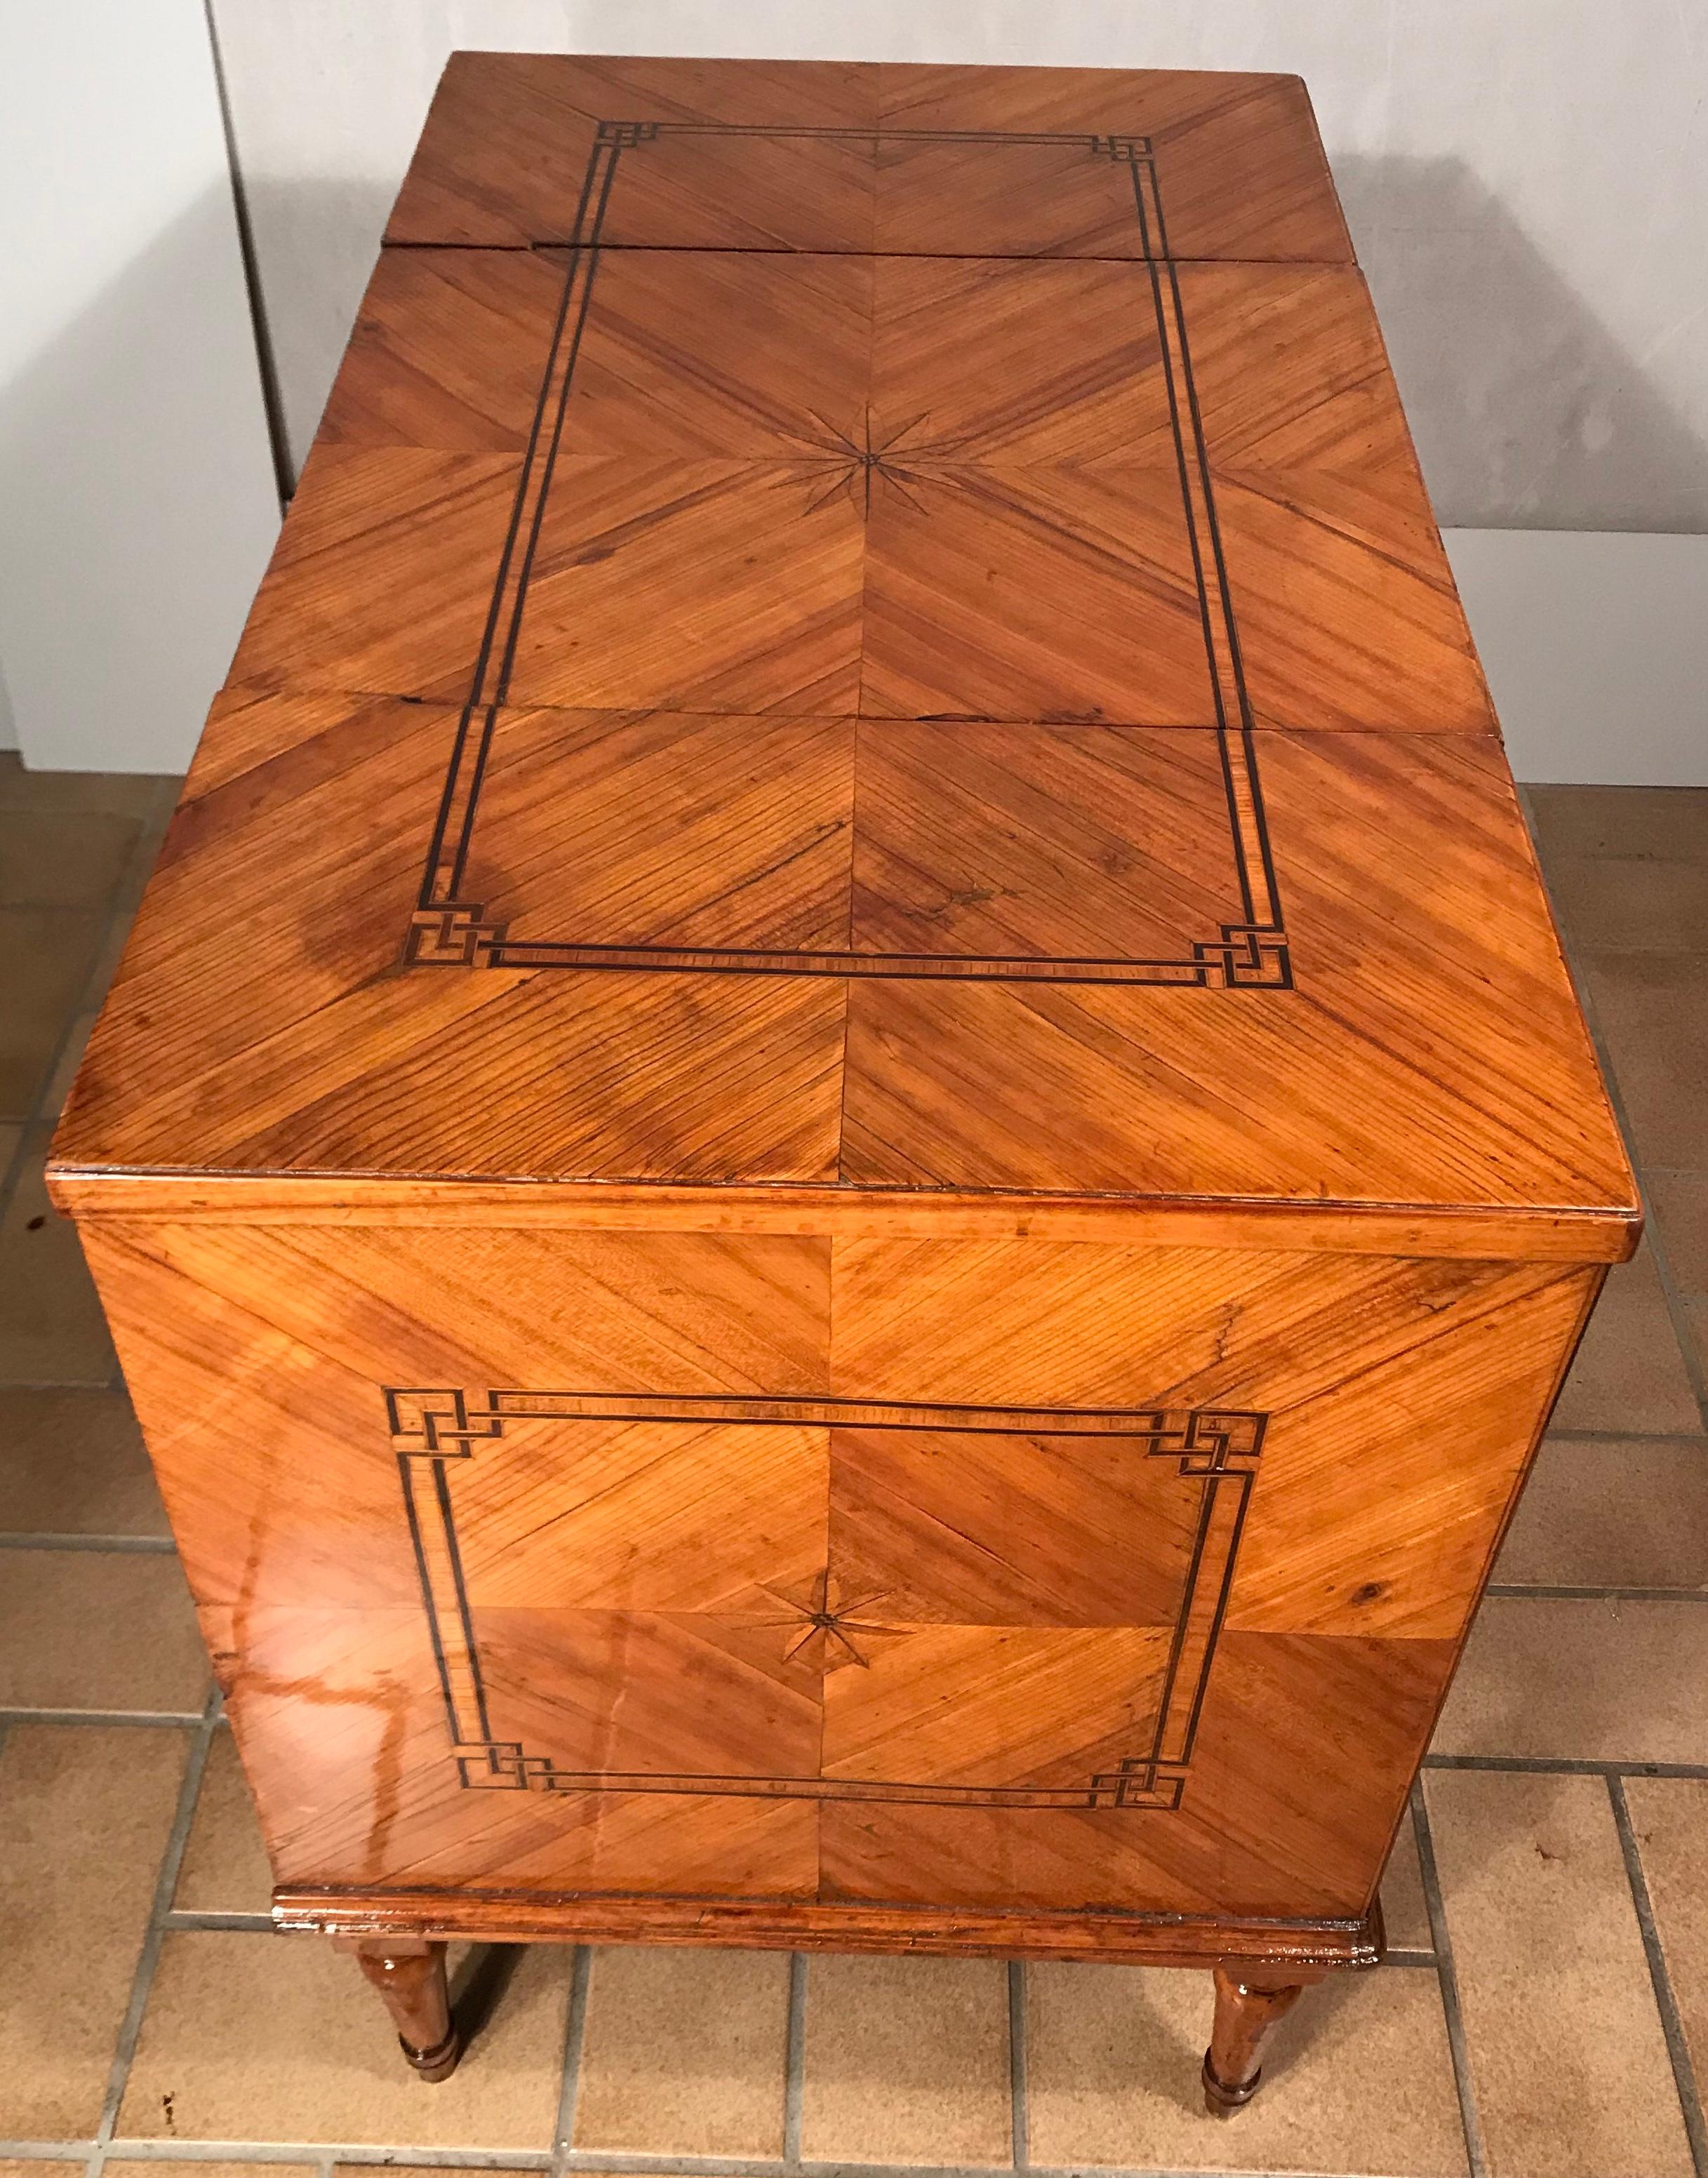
1429	1052
1007	1476
987	712
855	158
844	1163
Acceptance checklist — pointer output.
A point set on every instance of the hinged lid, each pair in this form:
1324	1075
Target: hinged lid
817	654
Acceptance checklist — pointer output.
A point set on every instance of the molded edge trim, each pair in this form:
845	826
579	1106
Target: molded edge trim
1483	1232
1177	1939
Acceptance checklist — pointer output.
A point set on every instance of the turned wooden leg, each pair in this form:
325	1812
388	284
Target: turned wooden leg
410	1975
1247	2005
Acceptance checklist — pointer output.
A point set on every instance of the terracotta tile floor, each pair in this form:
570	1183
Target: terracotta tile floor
1546	2012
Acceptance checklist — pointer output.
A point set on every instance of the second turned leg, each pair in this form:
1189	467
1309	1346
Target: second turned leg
409	1974
1247	2005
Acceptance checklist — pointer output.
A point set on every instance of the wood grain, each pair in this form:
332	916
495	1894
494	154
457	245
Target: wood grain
972	1593
843	1164
503	154
1430	1052
1132	1939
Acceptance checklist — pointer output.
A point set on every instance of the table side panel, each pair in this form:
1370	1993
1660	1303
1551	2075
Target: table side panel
768	1567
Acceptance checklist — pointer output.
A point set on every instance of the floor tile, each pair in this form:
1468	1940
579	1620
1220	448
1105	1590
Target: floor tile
685	2053
279	2037
1694	1307
1630	1374
1357	2078
224	1864
1679	1199
98	1630
1619	905
84	1813
63	858
1670	1817
1567	2053
121	914
1652	1008
122	793
1404	1915
906	2061
1624	1513
75	1465
45	959
58	1086
1668	822
1596	1680
51	1329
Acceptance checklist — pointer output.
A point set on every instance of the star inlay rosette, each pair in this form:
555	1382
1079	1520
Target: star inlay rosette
822	1626
899	457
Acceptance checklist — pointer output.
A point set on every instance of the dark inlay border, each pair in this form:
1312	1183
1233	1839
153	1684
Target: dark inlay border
447	930
1216	1450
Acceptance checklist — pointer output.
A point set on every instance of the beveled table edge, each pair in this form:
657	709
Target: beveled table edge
1601	1234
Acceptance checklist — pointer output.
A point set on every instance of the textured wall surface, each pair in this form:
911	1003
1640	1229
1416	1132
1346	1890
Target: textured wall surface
1527	182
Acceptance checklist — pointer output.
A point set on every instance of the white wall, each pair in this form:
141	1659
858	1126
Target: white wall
1596	650
137	499
1527	181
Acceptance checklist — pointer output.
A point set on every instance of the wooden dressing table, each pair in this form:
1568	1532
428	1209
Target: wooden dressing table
843	1164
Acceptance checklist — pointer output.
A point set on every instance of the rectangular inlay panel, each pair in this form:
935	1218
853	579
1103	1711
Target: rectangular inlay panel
816	520
783	617
833	1600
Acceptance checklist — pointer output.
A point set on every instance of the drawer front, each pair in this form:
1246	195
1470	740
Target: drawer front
935	1573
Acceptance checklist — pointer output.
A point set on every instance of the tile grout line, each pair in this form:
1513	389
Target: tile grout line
319	2156
1447	1979
1565	1765
1665	2003
574	2036
52	1539
794	2060
12	1171
1020	2117
146	1719
272	2154
1589	1592
247	1925
1693	1438
120	913
148	1958
121	905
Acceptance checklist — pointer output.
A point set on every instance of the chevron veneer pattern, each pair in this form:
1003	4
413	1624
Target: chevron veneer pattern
843	1164
885	1531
